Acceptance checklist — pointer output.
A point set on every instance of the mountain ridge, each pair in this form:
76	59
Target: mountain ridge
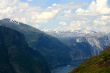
54	51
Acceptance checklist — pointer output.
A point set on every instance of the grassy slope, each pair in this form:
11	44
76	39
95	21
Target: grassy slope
97	64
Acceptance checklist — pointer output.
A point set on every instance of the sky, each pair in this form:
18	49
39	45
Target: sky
59	15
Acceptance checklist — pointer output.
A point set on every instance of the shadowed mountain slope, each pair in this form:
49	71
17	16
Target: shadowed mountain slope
55	52
16	56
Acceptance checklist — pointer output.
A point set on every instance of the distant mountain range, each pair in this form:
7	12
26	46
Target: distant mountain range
83	45
96	41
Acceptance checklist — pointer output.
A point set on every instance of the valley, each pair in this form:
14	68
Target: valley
62	51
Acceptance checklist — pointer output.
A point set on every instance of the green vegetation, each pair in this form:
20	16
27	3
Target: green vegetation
97	64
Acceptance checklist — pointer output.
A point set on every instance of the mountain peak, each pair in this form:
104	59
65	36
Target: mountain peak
10	20
6	19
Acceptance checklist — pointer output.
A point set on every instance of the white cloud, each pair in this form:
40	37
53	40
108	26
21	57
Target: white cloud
69	17
46	15
73	26
23	12
95	7
29	0
96	17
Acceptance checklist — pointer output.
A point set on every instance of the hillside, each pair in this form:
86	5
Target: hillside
16	56
55	52
97	64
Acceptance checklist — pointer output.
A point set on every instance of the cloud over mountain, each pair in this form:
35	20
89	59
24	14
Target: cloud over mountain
22	11
69	16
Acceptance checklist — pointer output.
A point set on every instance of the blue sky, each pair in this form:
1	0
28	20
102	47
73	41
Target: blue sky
46	3
59	15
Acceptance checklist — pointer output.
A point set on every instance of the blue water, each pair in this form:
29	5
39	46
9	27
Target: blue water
64	69
67	68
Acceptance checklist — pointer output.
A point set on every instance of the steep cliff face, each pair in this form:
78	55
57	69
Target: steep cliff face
97	64
16	56
55	52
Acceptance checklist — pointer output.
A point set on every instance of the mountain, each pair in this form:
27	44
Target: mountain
16	56
89	43
61	50
97	64
54	51
83	45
